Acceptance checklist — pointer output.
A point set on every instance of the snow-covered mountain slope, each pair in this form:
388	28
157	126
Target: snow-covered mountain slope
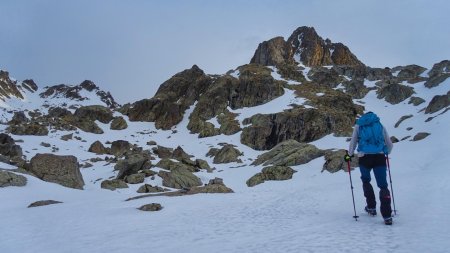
312	212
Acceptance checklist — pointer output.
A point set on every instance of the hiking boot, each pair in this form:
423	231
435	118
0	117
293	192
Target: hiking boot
370	211
388	221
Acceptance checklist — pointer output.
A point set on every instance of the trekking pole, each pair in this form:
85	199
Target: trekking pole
351	186
390	180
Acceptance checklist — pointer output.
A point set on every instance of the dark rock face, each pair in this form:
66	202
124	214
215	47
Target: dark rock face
11	179
274	52
94	112
173	97
411	73
73	92
302	125
334	161
307	46
394	93
8	87
179	178
289	153
325	76
438	103
8	147
151	207
63	170
44	203
438	74
271	173
30	85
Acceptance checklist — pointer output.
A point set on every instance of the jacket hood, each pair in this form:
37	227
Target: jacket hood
368	119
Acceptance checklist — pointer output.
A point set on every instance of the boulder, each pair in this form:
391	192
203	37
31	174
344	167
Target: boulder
146	188
135	178
420	136
67	137
416	101
120	147
356	88
203	165
118	123
151	207
113	184
334	161
168	164
215	185
179	178
98	148
289	153
58	112
86	125
163	152
8	146
11	179
44	203
438	102
32	128
394	93
63	170
94	112
402	119
227	154
131	165
271	173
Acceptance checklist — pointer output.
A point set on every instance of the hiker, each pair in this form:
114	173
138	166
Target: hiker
373	143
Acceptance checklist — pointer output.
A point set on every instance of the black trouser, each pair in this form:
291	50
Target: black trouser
377	162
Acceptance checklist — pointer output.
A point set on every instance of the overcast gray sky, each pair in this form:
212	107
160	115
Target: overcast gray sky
130	47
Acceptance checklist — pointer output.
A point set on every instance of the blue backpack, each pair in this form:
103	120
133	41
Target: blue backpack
371	137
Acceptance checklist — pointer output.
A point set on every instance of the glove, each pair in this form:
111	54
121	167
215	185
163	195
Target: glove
347	157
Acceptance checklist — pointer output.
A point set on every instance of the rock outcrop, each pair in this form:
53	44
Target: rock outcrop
394	93
438	102
289	153
132	165
8	147
113	184
8	87
438	74
227	154
179	178
171	100
63	170
118	123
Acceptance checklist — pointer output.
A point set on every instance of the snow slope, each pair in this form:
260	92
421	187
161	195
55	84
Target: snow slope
310	213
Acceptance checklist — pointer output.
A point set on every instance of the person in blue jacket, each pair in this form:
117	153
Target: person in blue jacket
373	143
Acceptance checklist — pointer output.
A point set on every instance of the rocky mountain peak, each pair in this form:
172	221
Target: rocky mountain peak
75	93
8	87
305	47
